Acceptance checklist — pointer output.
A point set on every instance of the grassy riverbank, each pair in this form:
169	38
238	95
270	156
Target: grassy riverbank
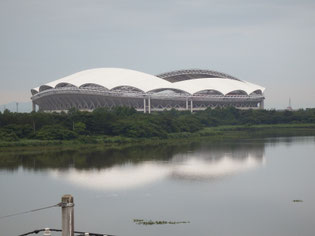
125	126
228	132
110	151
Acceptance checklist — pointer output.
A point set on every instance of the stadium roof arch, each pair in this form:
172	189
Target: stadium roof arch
180	75
188	81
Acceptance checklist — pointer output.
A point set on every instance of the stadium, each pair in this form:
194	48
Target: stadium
191	90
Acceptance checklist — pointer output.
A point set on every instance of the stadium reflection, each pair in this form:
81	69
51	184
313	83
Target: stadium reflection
203	164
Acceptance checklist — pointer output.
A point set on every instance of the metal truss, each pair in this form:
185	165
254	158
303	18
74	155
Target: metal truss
62	99
197	72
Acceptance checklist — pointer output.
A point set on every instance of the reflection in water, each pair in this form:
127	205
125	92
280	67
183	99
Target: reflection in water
206	183
118	177
136	166
201	169
134	175
96	157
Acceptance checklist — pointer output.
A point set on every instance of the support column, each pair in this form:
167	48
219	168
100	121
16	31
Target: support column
33	106
149	104
191	105
144	105
261	105
187	103
67	215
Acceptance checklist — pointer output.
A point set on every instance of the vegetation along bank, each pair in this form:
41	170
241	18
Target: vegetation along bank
126	125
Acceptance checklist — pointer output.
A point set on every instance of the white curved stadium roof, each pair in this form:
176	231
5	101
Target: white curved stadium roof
115	77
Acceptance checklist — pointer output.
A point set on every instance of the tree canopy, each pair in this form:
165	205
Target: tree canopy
127	122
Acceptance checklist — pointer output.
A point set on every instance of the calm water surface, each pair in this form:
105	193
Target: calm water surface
234	188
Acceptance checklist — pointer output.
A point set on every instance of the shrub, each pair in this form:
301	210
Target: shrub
55	132
8	135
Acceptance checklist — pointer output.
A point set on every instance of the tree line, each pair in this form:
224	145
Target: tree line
127	122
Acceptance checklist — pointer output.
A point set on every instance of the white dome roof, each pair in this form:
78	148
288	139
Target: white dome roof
114	77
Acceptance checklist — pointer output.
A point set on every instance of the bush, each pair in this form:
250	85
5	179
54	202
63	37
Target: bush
8	135
80	128
88	139
22	131
55	132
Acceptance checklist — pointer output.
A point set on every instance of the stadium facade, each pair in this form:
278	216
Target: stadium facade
191	90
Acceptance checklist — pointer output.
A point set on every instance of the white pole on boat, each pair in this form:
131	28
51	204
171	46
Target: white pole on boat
67	211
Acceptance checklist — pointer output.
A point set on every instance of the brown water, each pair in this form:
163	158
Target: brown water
233	188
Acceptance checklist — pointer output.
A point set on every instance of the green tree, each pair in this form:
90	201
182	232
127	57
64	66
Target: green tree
80	128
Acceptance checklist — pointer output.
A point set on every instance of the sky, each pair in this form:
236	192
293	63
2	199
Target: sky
267	42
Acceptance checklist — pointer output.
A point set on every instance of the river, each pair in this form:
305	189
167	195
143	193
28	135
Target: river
229	188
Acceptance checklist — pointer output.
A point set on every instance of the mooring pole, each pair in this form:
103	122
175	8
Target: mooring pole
67	207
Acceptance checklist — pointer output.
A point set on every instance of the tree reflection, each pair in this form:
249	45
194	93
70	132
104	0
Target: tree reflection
97	157
201	161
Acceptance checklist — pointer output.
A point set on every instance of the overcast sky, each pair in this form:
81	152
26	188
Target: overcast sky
268	42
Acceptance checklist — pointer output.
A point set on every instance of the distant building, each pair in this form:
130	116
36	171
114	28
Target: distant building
289	108
183	90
